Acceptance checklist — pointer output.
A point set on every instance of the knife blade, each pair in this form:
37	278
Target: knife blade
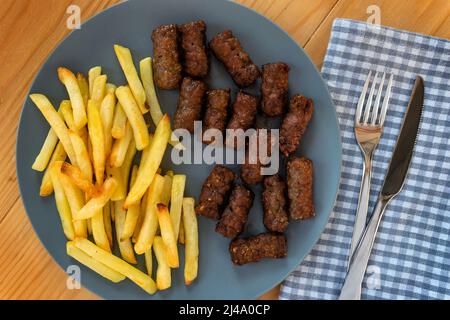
402	155
393	183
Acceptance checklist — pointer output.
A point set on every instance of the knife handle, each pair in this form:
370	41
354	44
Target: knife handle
351	289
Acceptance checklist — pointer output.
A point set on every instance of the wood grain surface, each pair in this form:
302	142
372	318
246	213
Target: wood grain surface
30	29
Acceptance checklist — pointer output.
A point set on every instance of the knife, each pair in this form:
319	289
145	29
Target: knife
393	184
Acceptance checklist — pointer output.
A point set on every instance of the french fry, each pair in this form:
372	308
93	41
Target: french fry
107	222
119	122
117	264
67	112
121	190
167	190
168	235
107	115
89	148
84	87
65	107
176	202
132	212
80	227
111	88
169	173
135	117
99	88
47	186
78	178
61	202
56	122
98	201
89	226
149	261
125	246
93	264
150	223
126	62
156	114
137	228
92	75
44	156
163	276
99	231
120	148
82	155
134	171
148	169
84	135
79	109
146	69
181	233
97	139
191	239
127	163
145	154
76	202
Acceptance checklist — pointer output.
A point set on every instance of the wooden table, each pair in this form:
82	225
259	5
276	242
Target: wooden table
30	29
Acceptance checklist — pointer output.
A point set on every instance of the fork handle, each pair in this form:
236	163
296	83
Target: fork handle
363	206
358	265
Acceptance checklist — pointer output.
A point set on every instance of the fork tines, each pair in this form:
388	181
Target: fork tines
368	113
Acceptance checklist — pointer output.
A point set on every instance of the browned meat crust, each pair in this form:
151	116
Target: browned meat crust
244	114
295	123
193	39
166	58
300	188
190	103
216	114
274	88
228	50
251	172
214	192
235	215
274	203
253	249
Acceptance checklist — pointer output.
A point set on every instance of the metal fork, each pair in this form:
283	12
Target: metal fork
369	121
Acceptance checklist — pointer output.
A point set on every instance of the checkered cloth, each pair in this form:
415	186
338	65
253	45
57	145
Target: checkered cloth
411	254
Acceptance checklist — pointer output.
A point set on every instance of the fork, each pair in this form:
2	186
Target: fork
369	121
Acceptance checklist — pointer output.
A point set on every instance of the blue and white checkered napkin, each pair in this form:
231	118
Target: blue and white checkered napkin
411	255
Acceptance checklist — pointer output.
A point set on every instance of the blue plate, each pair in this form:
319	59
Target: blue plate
131	24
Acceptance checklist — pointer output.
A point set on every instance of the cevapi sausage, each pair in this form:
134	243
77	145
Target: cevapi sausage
274	88
228	50
166	58
214	192
193	39
190	103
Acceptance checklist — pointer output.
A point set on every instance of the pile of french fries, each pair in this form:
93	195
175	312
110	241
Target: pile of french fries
88	163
